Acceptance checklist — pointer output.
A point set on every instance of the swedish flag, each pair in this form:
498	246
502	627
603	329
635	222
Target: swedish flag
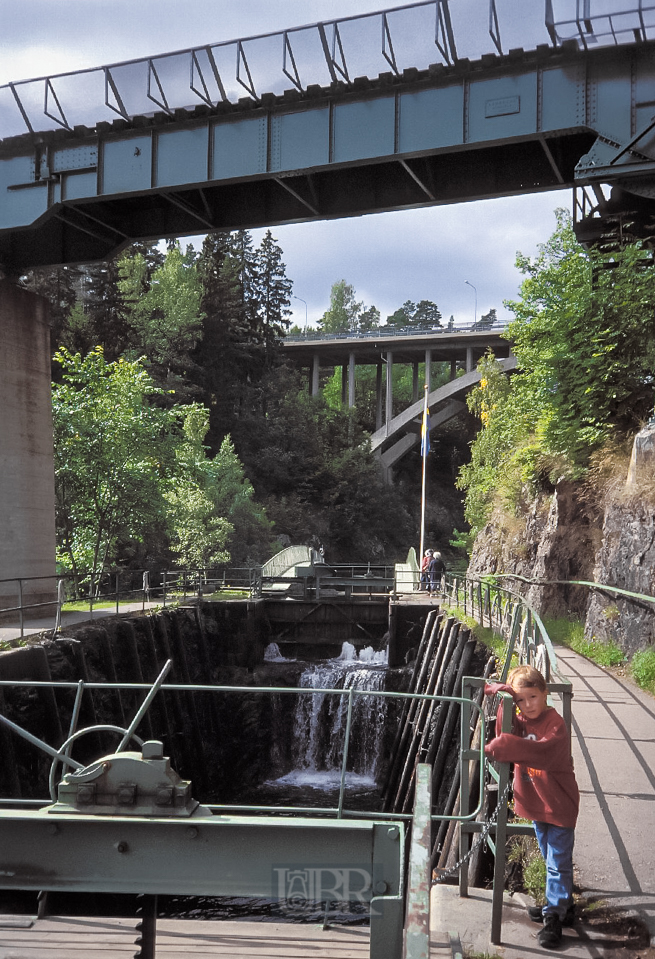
425	432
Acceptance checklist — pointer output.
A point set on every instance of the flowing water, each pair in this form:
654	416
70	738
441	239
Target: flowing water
320	723
309	772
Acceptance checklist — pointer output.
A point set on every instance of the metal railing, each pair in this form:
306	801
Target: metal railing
116	591
497	327
403	37
82	689
507	614
527	640
628	23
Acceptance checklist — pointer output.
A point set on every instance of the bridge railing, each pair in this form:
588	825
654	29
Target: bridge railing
479	327
628	22
410	36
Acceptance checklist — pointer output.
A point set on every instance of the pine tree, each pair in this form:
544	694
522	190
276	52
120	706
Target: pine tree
273	293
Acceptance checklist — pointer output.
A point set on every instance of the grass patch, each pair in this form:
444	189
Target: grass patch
82	606
643	669
570	632
483	634
523	852
229	594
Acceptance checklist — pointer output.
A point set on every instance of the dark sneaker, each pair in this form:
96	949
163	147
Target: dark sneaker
551	935
536	914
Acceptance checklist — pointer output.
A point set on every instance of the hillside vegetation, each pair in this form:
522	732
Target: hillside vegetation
583	335
183	439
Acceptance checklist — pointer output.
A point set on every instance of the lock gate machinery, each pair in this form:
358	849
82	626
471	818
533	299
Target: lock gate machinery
127	823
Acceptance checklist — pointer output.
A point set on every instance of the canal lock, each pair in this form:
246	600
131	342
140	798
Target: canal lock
246	747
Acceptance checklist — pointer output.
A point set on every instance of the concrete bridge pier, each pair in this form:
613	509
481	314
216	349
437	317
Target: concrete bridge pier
27	489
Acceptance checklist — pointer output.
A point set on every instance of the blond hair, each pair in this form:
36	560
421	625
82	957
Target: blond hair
522	676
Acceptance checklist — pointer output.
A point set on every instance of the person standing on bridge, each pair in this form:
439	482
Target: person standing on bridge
545	790
436	568
425	570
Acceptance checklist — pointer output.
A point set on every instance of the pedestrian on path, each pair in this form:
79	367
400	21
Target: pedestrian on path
425	570
436	569
545	789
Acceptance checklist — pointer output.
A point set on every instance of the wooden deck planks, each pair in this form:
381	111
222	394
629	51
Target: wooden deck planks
69	938
108	938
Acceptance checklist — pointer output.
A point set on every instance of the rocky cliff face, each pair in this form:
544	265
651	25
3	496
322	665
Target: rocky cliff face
555	542
564	537
626	557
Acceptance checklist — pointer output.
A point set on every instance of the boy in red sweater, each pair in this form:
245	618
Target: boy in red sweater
545	790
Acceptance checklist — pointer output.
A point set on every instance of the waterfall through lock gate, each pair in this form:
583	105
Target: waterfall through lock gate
307	773
320	722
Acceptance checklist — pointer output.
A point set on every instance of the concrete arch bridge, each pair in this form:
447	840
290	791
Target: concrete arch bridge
395	436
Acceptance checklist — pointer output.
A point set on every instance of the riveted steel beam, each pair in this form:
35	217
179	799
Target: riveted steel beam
353	860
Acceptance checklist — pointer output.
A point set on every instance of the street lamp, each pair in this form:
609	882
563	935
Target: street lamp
305	302
475	320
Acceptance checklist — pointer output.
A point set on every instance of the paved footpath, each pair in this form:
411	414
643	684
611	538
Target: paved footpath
614	755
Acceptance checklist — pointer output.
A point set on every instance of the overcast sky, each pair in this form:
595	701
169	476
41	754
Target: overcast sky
390	257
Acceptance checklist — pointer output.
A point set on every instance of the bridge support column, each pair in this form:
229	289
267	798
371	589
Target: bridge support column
453	369
389	384
415	382
351	380
316	365
428	369
378	397
470	365
27	488
344	383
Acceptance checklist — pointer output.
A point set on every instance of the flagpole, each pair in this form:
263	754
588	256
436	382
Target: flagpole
425	446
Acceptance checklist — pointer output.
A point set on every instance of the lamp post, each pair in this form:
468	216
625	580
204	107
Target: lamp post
475	315
305	302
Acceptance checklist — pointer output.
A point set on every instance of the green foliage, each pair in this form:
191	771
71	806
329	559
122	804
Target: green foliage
524	850
495	470
112	449
423	315
344	310
643	668
164	316
460	540
311	466
133	478
582	339
570	632
487	320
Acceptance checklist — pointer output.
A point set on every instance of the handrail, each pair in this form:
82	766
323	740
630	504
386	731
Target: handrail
338	811
507	614
161	587
156	587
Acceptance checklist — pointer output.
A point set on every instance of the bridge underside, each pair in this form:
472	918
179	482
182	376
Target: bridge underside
521	123
98	227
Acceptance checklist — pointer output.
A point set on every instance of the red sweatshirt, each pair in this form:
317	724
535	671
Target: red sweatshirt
545	789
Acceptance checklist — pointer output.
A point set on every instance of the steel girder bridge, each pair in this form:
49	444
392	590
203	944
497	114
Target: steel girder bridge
386	111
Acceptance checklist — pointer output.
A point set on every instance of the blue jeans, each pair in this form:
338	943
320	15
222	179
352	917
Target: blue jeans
556	845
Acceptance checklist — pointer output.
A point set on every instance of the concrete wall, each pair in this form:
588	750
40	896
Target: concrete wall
27	496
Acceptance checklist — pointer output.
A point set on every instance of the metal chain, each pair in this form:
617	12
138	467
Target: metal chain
478	840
